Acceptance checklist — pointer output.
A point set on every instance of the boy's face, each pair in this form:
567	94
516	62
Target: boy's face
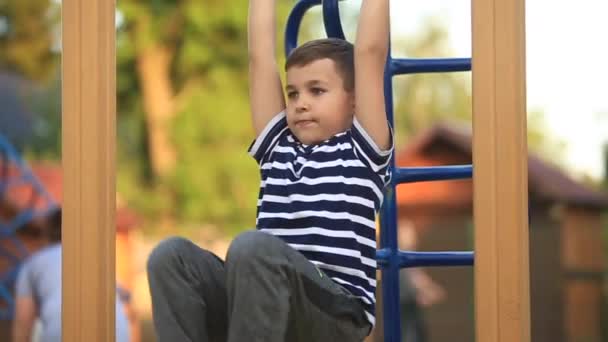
318	106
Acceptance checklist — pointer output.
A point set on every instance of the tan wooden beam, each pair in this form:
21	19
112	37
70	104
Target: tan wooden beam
89	110
502	290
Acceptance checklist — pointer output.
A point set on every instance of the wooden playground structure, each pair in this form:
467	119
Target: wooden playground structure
500	177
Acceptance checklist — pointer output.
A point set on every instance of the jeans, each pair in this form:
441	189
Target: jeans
266	291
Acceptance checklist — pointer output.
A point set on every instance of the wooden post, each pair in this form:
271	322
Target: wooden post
89	110
502	287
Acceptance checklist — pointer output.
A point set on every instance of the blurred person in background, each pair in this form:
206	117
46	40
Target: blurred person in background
38	292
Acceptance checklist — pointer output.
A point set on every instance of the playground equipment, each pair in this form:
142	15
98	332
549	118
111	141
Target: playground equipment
16	178
500	150
388	256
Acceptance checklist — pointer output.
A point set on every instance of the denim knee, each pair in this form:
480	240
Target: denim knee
167	254
251	246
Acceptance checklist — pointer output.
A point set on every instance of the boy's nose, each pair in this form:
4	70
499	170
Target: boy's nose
302	105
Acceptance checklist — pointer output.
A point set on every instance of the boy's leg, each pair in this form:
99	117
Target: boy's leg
188	290
275	294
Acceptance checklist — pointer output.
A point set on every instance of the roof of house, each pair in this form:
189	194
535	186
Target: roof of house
544	179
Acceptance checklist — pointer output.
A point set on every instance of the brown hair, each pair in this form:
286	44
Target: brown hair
338	50
54	226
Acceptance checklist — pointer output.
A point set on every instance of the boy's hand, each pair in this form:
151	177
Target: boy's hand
371	49
265	88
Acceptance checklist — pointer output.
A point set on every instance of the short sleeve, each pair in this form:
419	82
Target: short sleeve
24	286
262	146
369	152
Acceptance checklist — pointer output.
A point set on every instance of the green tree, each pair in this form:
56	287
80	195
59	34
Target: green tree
541	142
28	32
423	99
182	90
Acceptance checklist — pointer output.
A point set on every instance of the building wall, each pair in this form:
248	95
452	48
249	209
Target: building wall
453	319
546	278
582	257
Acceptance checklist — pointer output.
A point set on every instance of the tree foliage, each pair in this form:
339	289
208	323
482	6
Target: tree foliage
213	179
28	31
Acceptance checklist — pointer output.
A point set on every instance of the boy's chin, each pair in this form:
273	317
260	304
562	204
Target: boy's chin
309	139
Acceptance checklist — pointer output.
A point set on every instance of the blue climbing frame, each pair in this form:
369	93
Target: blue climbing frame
15	173
389	257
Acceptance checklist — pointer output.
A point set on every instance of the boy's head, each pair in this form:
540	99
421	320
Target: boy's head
320	89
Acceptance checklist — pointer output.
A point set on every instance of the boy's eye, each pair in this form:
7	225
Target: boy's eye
317	91
292	94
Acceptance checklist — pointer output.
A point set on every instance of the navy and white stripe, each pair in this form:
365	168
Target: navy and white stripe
323	199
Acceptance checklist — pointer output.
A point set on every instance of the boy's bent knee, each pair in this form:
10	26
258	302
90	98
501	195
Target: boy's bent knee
166	253
252	245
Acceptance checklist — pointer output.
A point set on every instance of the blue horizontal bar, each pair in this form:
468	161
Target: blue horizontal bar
432	173
402	66
419	259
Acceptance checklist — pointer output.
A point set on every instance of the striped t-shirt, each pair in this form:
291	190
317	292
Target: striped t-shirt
322	200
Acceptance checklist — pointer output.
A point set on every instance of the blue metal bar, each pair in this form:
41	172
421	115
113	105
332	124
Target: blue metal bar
388	235
436	173
294	21
331	19
404	66
421	259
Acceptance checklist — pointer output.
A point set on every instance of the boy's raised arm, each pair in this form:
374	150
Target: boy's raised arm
371	49
265	89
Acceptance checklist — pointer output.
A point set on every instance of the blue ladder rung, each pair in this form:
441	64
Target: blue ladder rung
403	66
417	259
433	173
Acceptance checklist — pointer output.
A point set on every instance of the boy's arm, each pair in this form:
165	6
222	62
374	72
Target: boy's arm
371	49
265	89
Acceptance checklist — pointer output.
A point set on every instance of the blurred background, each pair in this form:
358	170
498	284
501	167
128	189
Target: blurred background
183	131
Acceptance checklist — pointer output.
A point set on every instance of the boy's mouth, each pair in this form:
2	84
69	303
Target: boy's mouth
305	123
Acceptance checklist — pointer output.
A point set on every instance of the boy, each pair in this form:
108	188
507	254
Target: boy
308	272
